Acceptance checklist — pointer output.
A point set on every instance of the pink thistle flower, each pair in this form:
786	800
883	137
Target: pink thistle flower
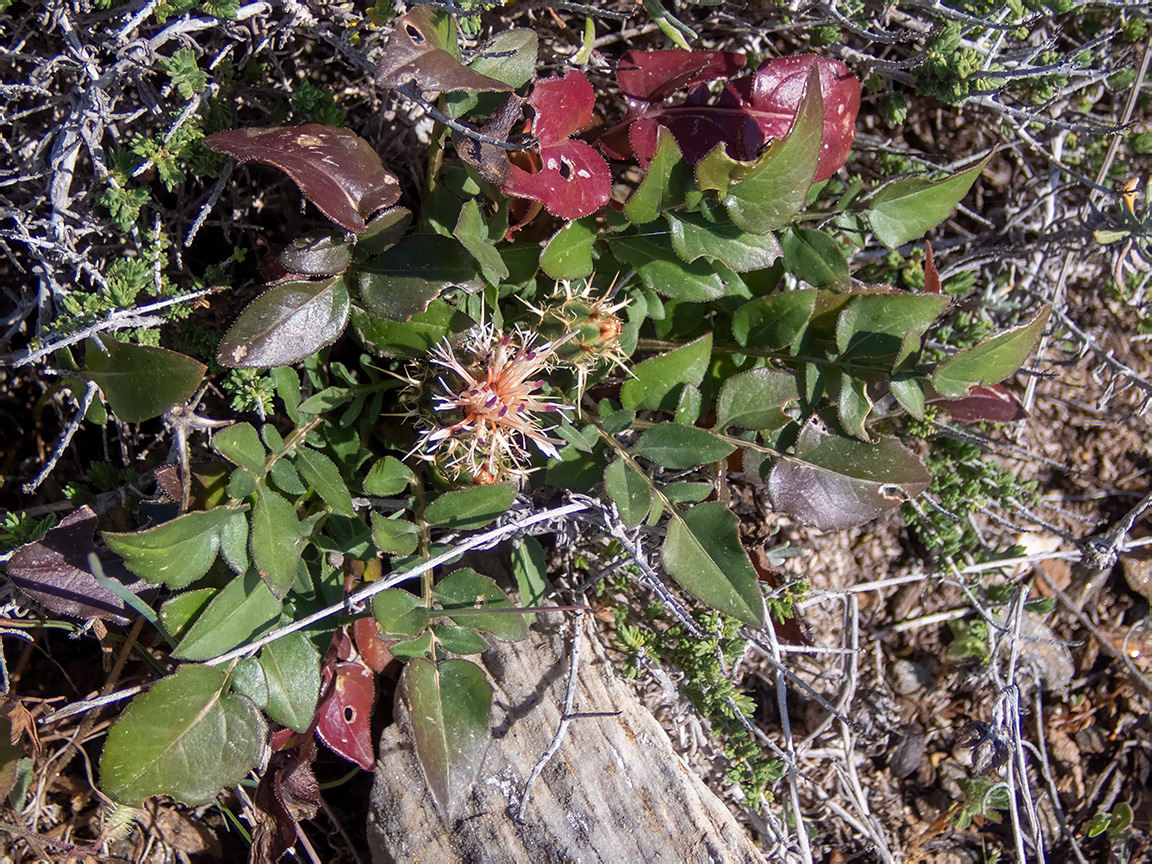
490	396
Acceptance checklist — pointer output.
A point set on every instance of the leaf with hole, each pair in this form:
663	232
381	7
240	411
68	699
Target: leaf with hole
186	737
344	718
286	324
702	552
422	48
833	482
449	704
140	382
335	168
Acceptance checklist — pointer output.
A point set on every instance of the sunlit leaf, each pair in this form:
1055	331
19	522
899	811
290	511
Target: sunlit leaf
654	381
344	718
907	209
629	489
674	445
421	48
464	590
990	361
755	399
323	476
694	237
242	611
466	509
286	324
276	541
285	681
174	553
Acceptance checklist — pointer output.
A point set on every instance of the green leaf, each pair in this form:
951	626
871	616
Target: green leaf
286	324
776	322
240	444
703	554
140	382
814	257
664	184
694	237
466	509
655	381
412	338
472	232
466	589
402	281
449	705
853	406
459	640
877	326
276	540
285	681
630	489
399	614
180	612
394	536
284	475
174	553
568	254
688	406
687	493
387	476
908	392
777	187
755	399
243	610
990	361
530	566
322	475
662	271
676	446
834	482
412	648
184	738
907	209
509	56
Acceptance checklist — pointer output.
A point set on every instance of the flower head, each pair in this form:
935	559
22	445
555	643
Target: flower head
486	404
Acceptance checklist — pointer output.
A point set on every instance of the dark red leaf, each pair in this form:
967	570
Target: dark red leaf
374	650
288	792
336	169
54	572
793	630
652	76
992	404
574	179
416	51
344	718
749	112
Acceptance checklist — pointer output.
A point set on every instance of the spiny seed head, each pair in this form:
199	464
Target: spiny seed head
486	403
593	327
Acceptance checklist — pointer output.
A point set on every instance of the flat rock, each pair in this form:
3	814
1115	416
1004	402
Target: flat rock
615	791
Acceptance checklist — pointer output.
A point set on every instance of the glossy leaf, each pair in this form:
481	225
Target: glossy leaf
240	444
568	254
834	482
853	406
241	611
372	648
815	258
776	322
286	324
674	445
185	738
401	615
464	590
694	237
573	179
402	281
907	209
421	48
466	509
990	361
319	253
703	554
993	404
344	718
448	707
749	112
629	489
323	476
285	681
173	553
878	326
662	271
775	189
140	382
54	572
655	380
755	399
335	168
276	541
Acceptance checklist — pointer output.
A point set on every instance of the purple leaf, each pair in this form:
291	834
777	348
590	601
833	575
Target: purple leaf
344	718
54	572
419	49
992	404
336	169
749	111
